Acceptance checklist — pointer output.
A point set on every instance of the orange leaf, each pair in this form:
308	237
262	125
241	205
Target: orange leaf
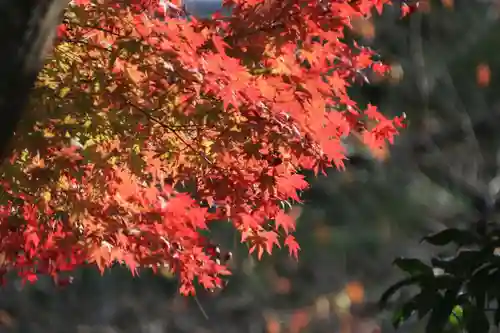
355	291
483	75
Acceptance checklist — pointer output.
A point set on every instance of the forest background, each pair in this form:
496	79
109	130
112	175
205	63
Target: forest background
354	224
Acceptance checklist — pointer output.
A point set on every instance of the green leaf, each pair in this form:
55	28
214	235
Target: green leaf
480	284
425	301
420	304
463	264
395	287
413	266
497	314
403	314
441	312
476	320
442	282
456	316
452	235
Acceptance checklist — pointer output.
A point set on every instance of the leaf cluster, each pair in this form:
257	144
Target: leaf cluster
147	128
461	290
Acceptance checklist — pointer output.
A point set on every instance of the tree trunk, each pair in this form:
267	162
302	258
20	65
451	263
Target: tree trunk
27	29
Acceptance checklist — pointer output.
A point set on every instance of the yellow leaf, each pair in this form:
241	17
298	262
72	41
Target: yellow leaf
89	143
167	273
63	183
207	143
24	155
46	196
235	129
68	120
64	91
48	134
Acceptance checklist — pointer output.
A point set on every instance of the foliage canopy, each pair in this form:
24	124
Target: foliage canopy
145	128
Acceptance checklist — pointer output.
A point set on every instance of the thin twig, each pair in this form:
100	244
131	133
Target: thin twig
170	129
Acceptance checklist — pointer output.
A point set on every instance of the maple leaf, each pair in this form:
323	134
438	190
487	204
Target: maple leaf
271	239
284	221
32	241
31	277
262	242
126	185
70	153
372	112
131	263
100	256
288	185
248	222
187	289
207	281
292	245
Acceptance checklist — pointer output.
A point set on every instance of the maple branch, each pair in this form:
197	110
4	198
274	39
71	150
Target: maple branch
99	29
27	31
170	129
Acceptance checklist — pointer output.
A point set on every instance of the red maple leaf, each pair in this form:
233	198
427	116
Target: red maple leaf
292	245
289	184
284	221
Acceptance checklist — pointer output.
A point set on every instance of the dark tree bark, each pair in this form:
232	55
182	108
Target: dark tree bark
27	29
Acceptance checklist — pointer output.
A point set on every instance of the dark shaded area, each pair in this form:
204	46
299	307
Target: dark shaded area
27	31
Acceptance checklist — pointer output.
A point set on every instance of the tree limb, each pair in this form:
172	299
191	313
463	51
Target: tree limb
27	31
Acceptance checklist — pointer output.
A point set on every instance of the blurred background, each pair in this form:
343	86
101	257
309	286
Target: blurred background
445	77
